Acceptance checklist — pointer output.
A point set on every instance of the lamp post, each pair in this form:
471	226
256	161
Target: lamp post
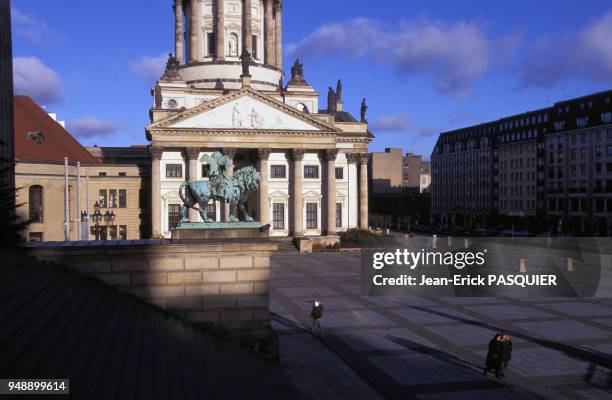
96	217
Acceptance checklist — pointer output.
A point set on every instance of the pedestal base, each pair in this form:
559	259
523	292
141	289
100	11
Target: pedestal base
220	230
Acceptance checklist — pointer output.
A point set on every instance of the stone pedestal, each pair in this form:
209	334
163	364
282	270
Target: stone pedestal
220	230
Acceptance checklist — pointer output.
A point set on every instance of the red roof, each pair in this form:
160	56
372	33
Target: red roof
57	143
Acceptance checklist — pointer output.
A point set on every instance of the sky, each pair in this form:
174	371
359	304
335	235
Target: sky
424	66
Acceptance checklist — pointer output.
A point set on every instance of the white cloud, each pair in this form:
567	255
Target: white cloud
392	123
149	67
428	131
454	54
88	127
28	26
32	78
586	54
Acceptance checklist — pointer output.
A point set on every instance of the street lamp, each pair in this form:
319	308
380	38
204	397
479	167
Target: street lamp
96	218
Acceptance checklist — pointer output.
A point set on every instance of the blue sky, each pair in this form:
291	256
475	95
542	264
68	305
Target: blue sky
424	66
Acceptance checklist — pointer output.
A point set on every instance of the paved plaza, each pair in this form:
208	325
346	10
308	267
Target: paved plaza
404	347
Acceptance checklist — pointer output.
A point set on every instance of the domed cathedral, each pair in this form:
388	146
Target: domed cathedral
223	90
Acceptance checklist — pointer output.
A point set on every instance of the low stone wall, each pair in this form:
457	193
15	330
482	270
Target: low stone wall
222	285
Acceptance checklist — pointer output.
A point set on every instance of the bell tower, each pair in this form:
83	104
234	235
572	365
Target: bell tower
211	34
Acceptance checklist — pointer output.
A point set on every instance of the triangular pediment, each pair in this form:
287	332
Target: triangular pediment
244	110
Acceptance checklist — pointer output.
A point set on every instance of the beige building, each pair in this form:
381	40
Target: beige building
386	171
313	163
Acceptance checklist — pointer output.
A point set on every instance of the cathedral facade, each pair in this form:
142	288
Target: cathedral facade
224	90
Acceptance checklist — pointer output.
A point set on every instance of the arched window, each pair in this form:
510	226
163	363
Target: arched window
36	203
172	104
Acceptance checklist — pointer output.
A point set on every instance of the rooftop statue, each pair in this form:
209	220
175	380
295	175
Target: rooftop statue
364	110
246	62
221	186
297	70
339	90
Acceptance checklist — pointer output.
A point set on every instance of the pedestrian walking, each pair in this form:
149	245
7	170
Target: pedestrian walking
504	354
317	316
491	360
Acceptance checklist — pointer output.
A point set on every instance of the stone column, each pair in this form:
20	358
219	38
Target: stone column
264	201
278	42
178	34
231	153
363	191
297	156
194	34
156	155
270	42
247	26
192	156
330	157
220	30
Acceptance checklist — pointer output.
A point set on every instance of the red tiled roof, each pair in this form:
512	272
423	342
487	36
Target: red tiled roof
57	144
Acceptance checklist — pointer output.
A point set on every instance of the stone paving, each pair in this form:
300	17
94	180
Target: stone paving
404	347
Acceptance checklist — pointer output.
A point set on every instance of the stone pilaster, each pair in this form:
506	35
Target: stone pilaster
231	153
220	30
297	156
192	157
264	201
363	191
156	155
278	19
178	34
194	34
247	26
330	157
270	42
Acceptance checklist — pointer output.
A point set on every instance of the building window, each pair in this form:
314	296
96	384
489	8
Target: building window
205	170
311	171
174	215
311	215
339	173
122	198
102	198
36	203
338	215
278	171
174	170
172	104
211	42
35	237
113	232
102	174
278	216
122	232
112	198
122	174
36	137
255	48
211	211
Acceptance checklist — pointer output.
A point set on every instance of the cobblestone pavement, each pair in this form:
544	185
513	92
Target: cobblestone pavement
433	348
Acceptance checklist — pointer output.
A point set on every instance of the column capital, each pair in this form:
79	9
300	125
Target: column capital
192	153
331	154
278	5
264	154
230	152
297	154
352	158
156	152
363	158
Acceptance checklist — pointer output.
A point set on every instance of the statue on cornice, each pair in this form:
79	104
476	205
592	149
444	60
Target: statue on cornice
339	90
246	62
331	100
172	68
364	109
297	70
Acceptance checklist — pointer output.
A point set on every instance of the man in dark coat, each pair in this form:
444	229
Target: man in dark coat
491	361
317	315
504	354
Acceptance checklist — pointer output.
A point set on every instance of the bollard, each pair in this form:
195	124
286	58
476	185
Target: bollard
522	265
450	240
466	243
434	241
569	264
549	240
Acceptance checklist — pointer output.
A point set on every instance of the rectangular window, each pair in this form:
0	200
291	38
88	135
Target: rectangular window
35	237
278	216
102	198
113	232
101	173
122	232
112	198
255	49
122	174
311	171
205	170
174	215
211	42
122	198
338	215
174	170
339	173
211	211
311	215
278	171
